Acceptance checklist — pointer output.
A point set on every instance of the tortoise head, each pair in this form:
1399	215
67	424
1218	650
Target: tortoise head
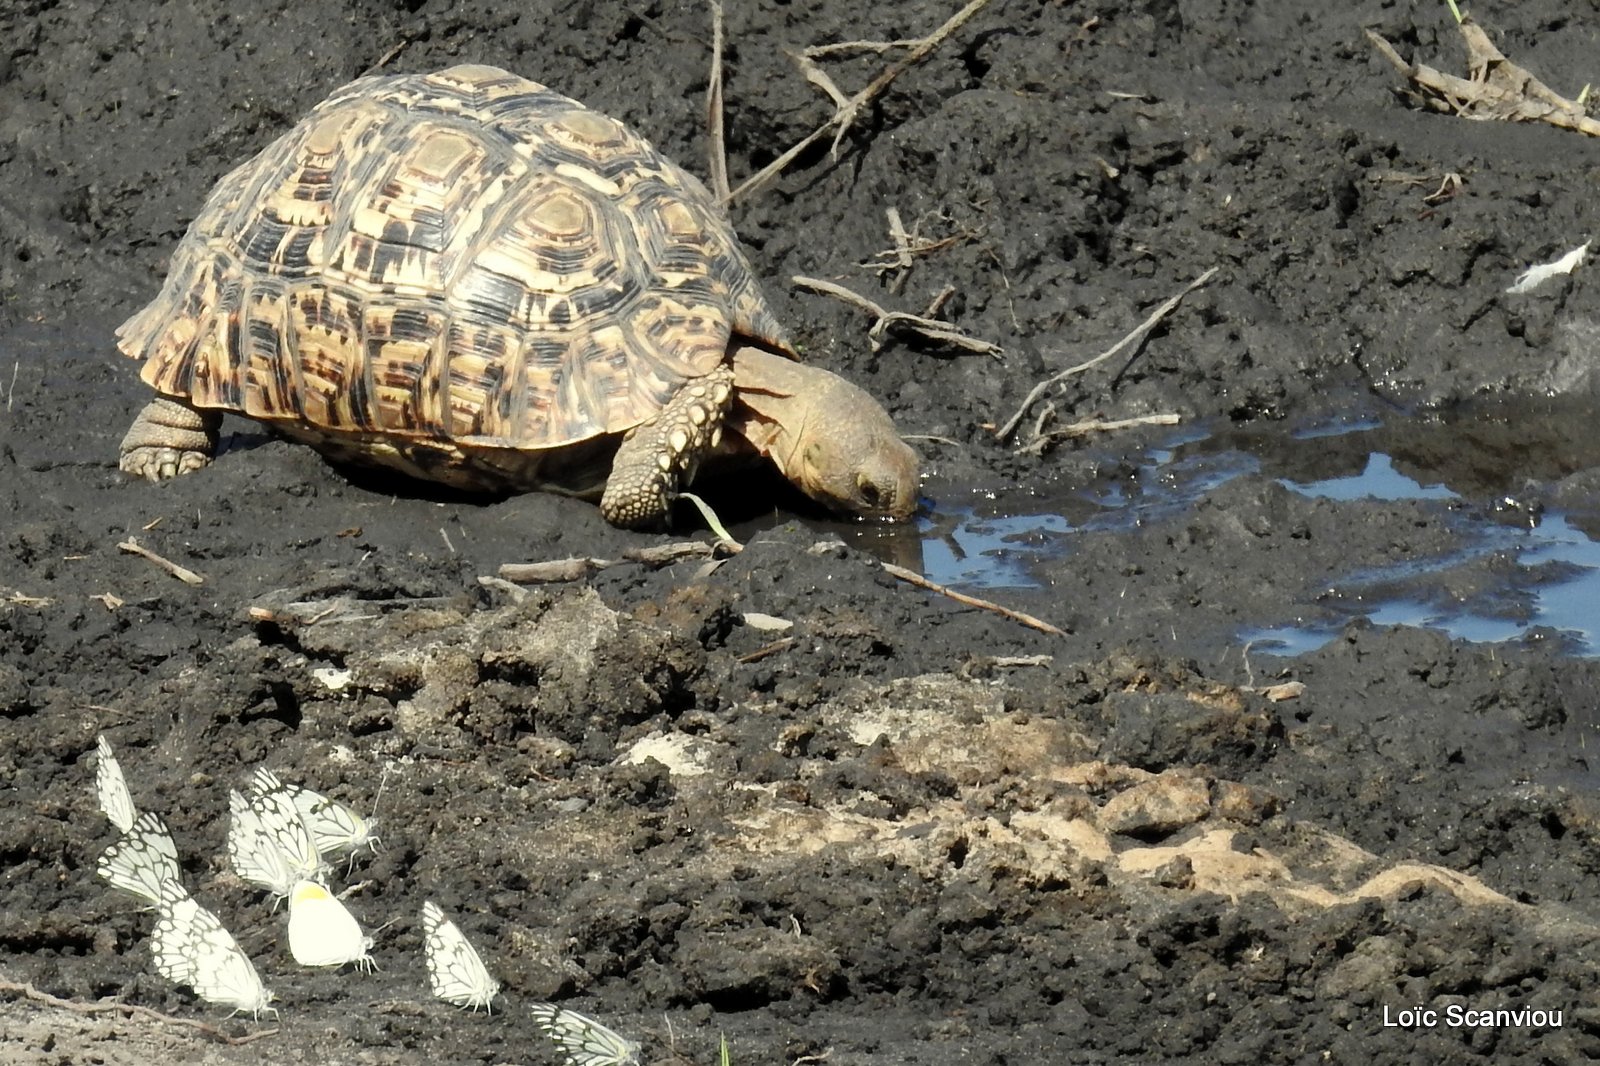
829	437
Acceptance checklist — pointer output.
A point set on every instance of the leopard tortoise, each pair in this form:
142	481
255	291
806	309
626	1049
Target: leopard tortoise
474	280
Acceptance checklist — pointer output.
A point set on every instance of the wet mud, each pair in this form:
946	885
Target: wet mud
788	799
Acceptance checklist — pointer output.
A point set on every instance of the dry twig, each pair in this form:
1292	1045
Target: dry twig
1136	337
914	578
275	607
182	573
575	569
886	321
1496	88
717	156
390	56
846	111
1042	438
133	1010
767	649
905	246
901	239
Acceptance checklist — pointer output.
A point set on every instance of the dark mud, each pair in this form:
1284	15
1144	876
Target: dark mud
898	830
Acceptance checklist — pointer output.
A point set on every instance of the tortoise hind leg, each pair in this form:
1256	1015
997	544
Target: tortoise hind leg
659	457
169	438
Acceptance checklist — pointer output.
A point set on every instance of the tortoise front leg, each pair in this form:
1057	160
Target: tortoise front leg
169	438
659	457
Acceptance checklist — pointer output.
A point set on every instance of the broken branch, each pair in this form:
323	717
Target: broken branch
1496	88
575	569
717	161
1042	439
886	321
845	114
914	578
1136	336
132	1010
182	573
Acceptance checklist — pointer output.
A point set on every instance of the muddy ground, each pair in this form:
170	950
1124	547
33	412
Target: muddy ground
899	830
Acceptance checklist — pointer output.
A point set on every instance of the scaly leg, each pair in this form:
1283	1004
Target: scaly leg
659	457
169	438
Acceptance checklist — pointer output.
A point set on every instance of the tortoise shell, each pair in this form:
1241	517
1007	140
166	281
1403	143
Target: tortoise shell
464	257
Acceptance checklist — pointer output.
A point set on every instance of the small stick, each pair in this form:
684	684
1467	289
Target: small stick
936	304
11	396
914	578
847	47
844	116
819	77
717	161
1135	337
339	610
839	292
927	328
552	571
666	554
901	252
132	1010
577	568
767	649
182	573
389	56
1047	413
1496	88
979	665
1083	429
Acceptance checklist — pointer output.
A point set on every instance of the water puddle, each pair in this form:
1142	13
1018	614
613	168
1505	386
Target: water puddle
978	552
1520	572
1551	582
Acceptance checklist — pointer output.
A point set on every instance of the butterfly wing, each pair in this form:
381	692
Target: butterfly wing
584	1041
142	859
455	969
252	852
322	931
192	948
221	972
170	939
269	844
111	787
264	781
336	828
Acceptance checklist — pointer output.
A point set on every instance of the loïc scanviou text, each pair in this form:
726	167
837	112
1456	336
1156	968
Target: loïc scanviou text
1456	1016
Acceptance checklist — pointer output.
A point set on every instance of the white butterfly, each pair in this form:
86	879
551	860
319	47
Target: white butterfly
192	948
584	1041
269	844
335	827
322	932
111	787
143	858
454	967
